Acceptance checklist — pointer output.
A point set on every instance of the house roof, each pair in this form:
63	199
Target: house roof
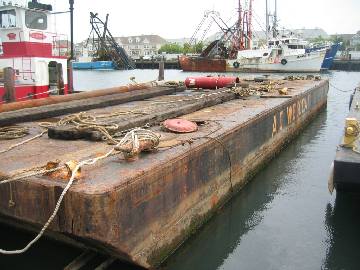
357	36
344	37
142	39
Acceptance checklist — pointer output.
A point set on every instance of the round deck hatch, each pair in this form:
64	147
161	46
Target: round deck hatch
180	125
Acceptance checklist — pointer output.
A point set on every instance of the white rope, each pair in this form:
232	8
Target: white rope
133	136
23	142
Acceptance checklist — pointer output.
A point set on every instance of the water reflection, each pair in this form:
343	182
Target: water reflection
219	244
342	225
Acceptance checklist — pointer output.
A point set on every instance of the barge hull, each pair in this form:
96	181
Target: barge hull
142	211
198	64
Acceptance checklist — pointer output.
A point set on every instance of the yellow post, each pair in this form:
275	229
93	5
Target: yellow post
352	130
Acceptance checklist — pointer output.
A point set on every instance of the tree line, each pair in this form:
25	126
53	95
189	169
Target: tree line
174	48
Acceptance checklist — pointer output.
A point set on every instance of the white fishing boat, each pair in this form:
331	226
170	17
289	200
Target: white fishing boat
281	55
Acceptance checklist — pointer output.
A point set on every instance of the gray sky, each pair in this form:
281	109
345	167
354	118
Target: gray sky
177	19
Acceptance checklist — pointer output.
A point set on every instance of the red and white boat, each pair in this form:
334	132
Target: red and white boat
30	46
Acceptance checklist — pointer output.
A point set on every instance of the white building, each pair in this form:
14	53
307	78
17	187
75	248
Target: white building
142	45
355	40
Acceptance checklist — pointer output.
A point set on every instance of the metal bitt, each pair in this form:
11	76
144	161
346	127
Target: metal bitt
71	2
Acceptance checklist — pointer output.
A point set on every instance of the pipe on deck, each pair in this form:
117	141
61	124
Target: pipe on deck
59	99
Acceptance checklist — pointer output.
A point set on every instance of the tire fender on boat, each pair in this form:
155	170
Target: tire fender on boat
283	62
236	64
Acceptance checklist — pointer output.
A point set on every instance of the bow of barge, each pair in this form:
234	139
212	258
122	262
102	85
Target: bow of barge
141	211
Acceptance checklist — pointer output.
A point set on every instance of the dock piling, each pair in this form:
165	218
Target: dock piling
161	70
9	84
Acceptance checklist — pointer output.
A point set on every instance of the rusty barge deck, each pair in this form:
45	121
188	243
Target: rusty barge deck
141	211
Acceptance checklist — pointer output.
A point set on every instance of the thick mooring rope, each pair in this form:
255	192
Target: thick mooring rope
81	121
133	137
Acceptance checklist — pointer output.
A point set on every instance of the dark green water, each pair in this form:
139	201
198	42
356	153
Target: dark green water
283	219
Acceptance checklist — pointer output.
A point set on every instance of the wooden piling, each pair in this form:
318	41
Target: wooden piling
161	70
9	84
60	79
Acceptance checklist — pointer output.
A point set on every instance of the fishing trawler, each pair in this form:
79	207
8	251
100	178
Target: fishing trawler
234	51
282	55
33	51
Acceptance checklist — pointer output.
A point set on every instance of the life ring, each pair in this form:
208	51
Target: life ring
236	64
283	62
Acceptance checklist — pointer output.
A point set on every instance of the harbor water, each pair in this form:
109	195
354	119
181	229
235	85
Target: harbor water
284	219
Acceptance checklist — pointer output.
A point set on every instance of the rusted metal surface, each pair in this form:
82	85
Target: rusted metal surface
202	64
156	112
41	112
141	211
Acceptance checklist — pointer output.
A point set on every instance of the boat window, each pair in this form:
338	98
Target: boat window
8	18
277	42
35	20
271	43
292	46
287	41
265	54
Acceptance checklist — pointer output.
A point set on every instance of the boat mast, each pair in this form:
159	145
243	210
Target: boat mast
240	44
250	25
267	22
275	21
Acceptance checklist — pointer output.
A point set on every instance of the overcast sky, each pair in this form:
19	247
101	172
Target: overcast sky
178	19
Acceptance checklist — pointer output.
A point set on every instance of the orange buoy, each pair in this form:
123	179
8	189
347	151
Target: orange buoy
180	125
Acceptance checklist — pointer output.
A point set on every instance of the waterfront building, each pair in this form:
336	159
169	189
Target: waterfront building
135	46
141	46
355	40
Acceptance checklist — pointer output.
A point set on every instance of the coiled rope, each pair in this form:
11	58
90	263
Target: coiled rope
134	137
81	121
13	132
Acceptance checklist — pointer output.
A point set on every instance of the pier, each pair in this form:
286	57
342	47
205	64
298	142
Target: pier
170	64
347	160
346	65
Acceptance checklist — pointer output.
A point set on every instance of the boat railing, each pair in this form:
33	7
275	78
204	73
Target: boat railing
59	42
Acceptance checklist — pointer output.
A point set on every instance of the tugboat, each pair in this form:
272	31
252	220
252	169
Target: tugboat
33	51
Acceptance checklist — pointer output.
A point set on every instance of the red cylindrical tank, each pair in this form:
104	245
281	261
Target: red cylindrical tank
210	82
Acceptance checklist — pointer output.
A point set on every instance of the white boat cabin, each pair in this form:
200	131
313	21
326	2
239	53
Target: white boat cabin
30	45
